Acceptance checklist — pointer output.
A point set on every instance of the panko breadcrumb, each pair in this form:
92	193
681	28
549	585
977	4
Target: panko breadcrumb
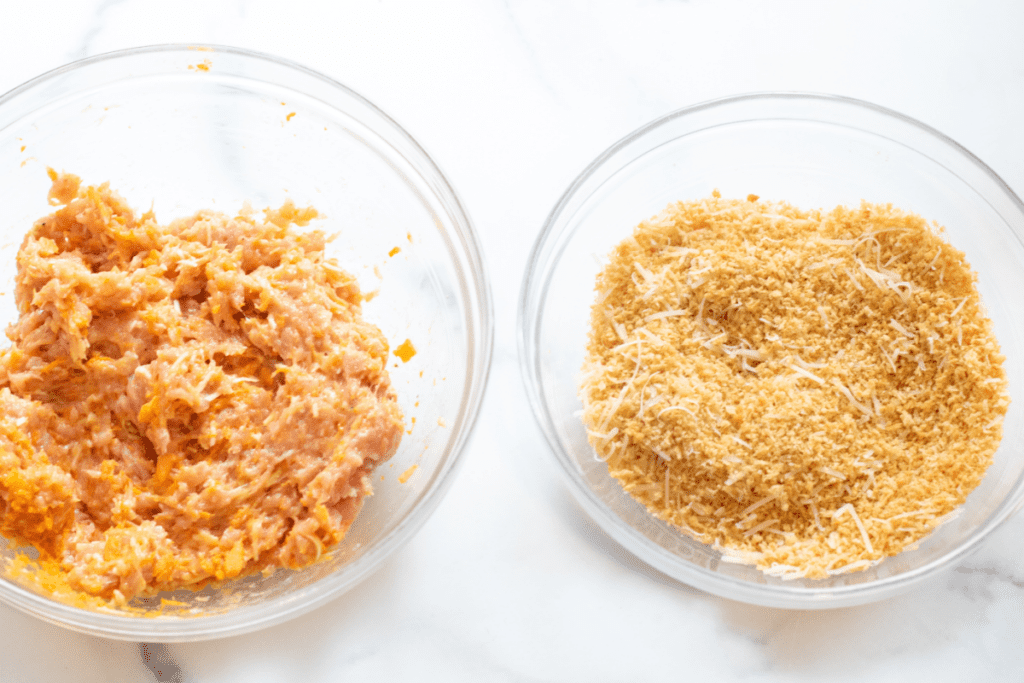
185	403
809	392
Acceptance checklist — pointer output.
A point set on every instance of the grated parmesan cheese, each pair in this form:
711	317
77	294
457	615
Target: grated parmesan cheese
739	302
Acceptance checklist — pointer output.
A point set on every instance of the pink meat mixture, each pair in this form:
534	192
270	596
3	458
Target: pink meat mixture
185	403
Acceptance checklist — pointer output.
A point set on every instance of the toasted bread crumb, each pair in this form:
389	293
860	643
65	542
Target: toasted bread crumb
807	392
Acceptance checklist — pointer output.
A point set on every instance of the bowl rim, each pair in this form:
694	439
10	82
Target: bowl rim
474	284
532	286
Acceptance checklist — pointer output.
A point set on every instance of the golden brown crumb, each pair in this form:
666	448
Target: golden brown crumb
810	392
184	403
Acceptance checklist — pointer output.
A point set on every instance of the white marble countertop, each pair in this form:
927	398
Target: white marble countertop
513	98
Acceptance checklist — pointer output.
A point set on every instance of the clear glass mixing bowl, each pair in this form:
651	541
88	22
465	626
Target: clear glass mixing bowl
181	128
814	151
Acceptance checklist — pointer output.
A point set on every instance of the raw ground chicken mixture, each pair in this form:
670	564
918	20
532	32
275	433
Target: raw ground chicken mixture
808	392
185	403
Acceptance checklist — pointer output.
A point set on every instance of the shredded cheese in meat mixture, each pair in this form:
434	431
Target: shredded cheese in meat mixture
809	392
185	403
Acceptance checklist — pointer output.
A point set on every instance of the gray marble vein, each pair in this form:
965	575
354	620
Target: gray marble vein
157	658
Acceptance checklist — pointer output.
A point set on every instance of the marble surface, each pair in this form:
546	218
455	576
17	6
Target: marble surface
513	98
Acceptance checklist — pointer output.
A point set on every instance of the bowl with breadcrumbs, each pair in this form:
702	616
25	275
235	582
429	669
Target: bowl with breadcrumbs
774	343
248	332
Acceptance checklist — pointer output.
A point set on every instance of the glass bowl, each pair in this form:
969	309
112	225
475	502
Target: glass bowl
182	128
814	151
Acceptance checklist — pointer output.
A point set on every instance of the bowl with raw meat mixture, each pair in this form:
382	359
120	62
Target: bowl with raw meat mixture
249	330
773	343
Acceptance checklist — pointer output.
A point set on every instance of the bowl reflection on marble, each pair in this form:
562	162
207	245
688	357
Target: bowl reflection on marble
812	151
183	128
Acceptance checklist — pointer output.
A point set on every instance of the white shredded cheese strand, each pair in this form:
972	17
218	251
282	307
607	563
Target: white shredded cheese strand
682	408
849	396
832	473
664	314
853	566
886	356
763	501
668	474
741	442
809	375
856	520
646	274
622	394
760	527
899	328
